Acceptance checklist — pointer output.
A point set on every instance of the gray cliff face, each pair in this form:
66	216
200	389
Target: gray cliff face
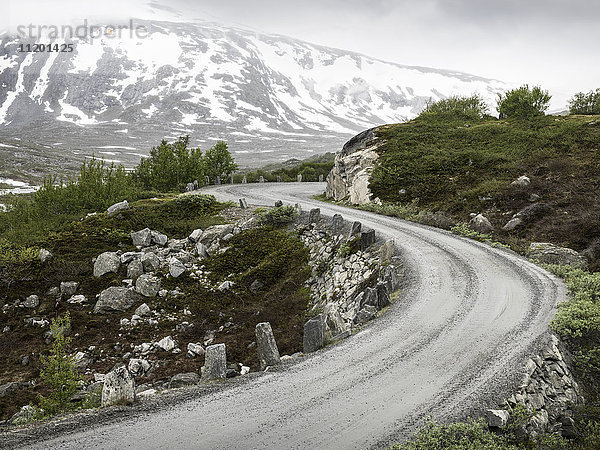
349	178
271	97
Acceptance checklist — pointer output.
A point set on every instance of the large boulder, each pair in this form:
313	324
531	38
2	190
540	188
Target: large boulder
167	344
148	285
138	367
314	334
115	209
215	363
115	299
158	238
119	387
268	354
195	235
201	250
107	262
142	238
211	234
547	253
150	262
32	301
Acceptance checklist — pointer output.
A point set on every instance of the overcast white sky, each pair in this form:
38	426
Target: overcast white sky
553	43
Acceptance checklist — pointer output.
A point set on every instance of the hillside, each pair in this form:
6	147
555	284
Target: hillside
459	168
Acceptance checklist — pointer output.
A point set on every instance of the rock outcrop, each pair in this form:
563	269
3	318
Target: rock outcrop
349	178
547	253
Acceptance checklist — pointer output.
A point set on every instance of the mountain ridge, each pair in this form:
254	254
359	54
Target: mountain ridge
272	97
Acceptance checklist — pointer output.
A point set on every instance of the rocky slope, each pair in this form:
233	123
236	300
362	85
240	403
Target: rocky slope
271	97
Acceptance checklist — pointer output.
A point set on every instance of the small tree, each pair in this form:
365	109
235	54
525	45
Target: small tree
218	162
523	103
456	107
59	371
588	103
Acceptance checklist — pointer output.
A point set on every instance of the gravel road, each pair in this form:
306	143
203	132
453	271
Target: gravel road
454	344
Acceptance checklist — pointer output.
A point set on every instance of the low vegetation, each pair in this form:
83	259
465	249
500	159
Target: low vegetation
310	170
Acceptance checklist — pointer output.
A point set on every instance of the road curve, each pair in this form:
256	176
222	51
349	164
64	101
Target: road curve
466	322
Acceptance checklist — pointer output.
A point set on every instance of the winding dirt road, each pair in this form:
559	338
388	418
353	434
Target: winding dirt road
469	316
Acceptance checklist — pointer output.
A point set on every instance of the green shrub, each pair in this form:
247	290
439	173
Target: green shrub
587	104
59	371
281	215
463	229
456	107
472	435
200	203
523	103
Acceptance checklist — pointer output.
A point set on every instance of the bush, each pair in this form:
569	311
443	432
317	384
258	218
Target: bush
200	203
464	108
278	216
59	371
585	104
523	103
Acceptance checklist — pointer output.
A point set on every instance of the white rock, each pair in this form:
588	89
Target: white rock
225	286
119	387
33	301
143	310
77	299
147	285
107	262
195	235
176	267
142	238
167	344
117	208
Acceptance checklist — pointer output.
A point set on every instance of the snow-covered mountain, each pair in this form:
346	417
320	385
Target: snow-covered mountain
270	97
